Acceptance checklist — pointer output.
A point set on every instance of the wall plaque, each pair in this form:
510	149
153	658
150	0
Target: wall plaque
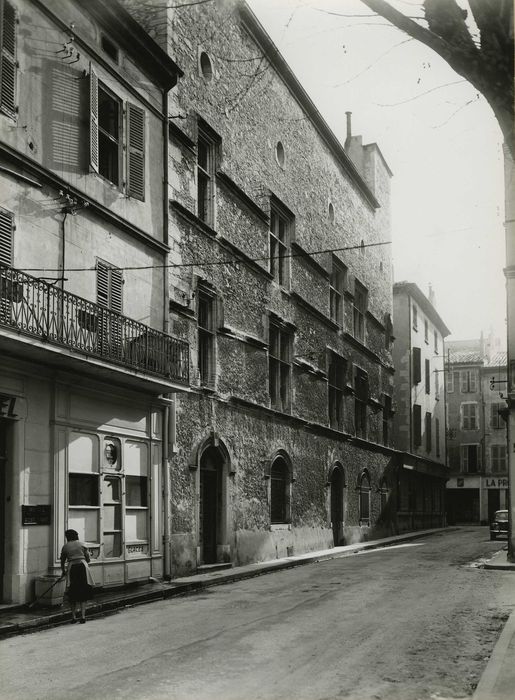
35	515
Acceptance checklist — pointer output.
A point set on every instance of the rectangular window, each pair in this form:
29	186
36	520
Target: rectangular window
498	456
359	311
109	286
426	330
280	233
415	317
8	65
468	381
336	384
417	366
387	417
496	420
109	135
436	342
361	396
428	376
206	338
6	237
450	382
279	367
336	289
429	441
469	459
206	165
437	437
417	425
469	416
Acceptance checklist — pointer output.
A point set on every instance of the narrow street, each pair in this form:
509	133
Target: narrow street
414	621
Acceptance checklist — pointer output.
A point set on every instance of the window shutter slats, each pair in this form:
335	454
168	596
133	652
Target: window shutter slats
6	237
135	152
116	290
8	62
93	120
103	285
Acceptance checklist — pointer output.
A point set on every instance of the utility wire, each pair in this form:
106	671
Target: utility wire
234	261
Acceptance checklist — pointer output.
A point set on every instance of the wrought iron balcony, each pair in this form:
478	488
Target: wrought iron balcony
35	308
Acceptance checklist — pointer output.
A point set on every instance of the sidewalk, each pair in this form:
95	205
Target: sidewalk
16	620
498	679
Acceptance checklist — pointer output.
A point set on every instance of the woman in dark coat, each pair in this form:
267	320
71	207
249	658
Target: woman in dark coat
78	576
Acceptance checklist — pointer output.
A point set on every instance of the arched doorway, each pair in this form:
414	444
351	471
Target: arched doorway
211	505
337	486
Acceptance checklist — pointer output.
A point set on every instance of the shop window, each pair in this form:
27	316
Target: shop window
206	337
469	416
279	366
136	492
280	236
112	516
8	38
364	498
336	384
336	289
279	491
206	167
359	311
107	139
84	487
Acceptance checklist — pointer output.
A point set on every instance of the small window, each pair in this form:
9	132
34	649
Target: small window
206	338
280	235
206	67
362	247
359	311
279	154
109	48
331	212
279	491
336	384
336	290
364	499
279	367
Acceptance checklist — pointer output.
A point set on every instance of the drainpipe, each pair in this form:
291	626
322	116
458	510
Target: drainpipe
167	569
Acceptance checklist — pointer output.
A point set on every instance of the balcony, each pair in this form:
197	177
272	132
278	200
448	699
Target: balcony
71	326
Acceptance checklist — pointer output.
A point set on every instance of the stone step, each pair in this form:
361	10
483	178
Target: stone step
209	568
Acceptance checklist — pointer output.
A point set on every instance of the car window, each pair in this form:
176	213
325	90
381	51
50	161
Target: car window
503	515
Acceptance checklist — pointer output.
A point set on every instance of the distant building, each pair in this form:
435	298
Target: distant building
476	430
419	424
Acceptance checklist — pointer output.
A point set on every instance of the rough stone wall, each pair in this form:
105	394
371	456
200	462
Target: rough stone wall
251	108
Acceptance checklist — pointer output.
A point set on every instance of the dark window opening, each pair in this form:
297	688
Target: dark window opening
279	481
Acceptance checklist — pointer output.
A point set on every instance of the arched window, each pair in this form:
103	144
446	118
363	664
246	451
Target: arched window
279	491
364	499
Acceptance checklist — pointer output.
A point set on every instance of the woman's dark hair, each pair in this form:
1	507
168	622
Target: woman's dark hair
71	535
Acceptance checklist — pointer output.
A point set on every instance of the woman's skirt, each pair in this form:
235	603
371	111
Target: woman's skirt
78	589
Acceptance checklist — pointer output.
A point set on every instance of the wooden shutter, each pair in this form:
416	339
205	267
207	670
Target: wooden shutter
103	285
6	237
116	290
417	370
93	119
8	58
135	152
109	287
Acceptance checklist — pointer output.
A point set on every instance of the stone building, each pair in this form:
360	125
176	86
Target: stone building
87	363
284	442
477	431
419	426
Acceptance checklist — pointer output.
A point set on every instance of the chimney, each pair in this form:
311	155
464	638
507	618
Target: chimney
431	296
349	128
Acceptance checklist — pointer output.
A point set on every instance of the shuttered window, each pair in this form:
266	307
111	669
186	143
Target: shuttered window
109	287
135	152
93	120
6	237
469	416
8	58
417	425
417	368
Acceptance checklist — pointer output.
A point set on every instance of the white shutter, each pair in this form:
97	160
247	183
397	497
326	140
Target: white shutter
8	58
6	237
135	152
93	119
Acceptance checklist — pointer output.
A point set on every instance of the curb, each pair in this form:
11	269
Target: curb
494	684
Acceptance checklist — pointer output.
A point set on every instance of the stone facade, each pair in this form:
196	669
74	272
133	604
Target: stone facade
248	152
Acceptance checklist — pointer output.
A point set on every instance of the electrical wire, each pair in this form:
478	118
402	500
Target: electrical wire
208	263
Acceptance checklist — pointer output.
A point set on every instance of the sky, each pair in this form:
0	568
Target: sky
437	134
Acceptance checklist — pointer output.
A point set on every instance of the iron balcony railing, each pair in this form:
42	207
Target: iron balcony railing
38	309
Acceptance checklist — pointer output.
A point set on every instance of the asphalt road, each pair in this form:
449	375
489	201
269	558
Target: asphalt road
408	622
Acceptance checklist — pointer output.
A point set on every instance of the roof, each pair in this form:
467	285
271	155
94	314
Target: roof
465	358
500	359
412	290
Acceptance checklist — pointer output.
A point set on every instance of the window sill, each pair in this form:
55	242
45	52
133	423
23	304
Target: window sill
280	526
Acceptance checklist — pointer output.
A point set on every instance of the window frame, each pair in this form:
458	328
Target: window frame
428	431
206	337
279	365
280	236
205	174
416	354
359	312
498	463
417	424
496	420
280	492
337	280
336	383
117	143
364	493
467	421
427	371
465	458
467	386
361	397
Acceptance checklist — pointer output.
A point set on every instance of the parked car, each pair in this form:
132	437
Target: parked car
499	526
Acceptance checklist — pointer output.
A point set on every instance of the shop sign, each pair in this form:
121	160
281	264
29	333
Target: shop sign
499	483
35	515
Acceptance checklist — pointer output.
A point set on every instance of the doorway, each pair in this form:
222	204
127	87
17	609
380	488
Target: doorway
211	505
337	486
